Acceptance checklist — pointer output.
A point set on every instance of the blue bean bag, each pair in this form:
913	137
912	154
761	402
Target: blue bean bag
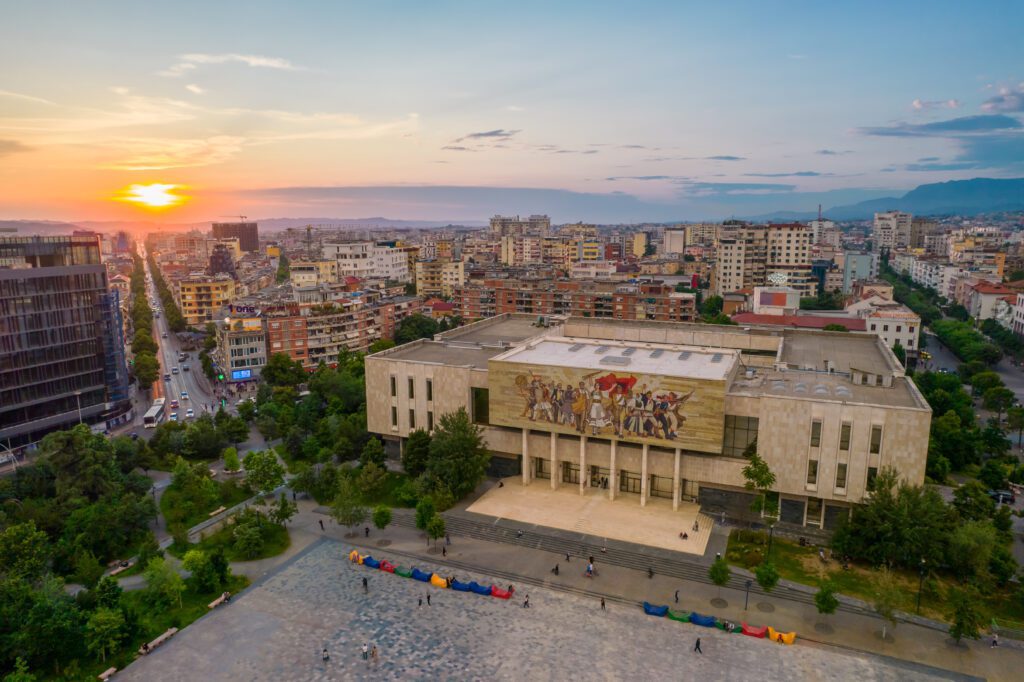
652	610
371	562
460	587
698	619
417	574
480	589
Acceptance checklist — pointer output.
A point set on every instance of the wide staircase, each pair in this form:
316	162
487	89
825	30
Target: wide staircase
617	553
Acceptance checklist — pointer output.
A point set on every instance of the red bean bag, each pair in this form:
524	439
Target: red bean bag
500	593
387	566
755	631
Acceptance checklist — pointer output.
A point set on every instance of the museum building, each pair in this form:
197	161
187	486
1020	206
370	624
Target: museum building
637	410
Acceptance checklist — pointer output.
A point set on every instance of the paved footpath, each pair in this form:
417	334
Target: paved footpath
277	629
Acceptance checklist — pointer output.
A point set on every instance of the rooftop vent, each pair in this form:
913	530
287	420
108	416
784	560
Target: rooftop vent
800	387
778	385
617	360
657	353
820	389
749	373
575	347
717	357
628	351
843	391
601	350
685	355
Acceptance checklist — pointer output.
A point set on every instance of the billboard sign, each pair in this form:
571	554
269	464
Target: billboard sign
241	374
667	411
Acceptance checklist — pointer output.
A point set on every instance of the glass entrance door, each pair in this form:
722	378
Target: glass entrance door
541	467
599	477
570	472
629	482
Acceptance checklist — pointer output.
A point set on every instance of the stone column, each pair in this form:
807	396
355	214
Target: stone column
612	473
643	476
554	461
675	483
527	470
583	464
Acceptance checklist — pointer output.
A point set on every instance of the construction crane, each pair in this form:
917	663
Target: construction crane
242	218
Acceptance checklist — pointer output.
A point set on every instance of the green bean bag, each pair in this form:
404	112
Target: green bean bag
682	617
403	571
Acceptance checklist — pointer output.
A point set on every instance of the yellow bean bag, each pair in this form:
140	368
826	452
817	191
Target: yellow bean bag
438	581
785	637
353	556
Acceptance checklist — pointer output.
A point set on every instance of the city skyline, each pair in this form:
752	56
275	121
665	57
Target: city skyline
604	112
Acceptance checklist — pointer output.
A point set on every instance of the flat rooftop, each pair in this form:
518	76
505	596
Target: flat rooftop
823	387
454	354
645	358
845	351
506	329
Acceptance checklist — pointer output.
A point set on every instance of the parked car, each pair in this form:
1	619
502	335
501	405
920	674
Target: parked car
1003	496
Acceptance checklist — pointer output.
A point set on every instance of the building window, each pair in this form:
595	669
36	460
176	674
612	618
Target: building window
844	437
430	390
876	439
816	434
430	420
899	328
812	472
873	327
872	475
412	388
412	419
739	433
841	476
481	406
394	387
394	417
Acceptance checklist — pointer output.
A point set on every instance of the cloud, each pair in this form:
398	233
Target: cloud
926	159
25	98
732	188
8	147
922	105
514	107
832	152
190	62
796	174
642	177
195	89
951	166
457	148
148	154
497	134
1008	99
964	124
725	158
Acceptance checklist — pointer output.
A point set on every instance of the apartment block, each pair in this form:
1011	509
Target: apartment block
200	297
439	277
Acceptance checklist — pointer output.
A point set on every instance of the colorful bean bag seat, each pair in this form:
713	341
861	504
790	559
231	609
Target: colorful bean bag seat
353	556
783	637
479	589
371	562
680	616
752	631
500	593
460	587
417	574
706	621
387	566
657	611
438	581
403	571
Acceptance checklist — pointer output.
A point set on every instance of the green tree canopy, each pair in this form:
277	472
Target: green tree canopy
415	327
281	370
719	572
262	470
965	614
458	456
346	509
416	453
435	528
373	452
767	576
24	552
163	584
104	632
382	516
825	599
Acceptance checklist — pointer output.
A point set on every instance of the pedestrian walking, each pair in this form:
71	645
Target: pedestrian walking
366	652
428	600
444	551
421	602
995	641
696	647
367	531
326	656
677	596
447	539
555	569
321	524
373	654
526	602
566	557
602	604
519	534
650	572
366	585
293	496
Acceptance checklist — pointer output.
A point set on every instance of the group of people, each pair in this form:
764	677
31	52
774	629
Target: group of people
606	402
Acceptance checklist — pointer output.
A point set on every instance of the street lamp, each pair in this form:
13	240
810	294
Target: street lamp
771	533
78	400
746	599
920	585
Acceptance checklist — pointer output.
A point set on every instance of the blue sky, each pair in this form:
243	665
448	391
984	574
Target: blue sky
624	111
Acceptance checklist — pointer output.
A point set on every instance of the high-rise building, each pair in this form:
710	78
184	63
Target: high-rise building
536	225
200	297
891	230
674	240
248	234
858	266
62	356
221	261
763	255
439	277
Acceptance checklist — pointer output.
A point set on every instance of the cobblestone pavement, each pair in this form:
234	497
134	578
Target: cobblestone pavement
277	629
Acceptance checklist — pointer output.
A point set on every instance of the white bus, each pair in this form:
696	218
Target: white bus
155	415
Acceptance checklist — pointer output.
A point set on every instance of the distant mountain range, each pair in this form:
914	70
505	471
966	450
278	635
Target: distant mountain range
956	197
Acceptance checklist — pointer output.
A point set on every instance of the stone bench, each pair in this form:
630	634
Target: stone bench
218	510
107	674
219	600
148	648
122	569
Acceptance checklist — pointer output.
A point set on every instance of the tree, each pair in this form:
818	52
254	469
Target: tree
382	516
970	548
887	596
998	399
107	592
203	440
88	569
982	381
825	599
104	631
900	352
373	452
759	476
147	370
247	411
967	370
197	562
972	502
24	552
416	453
248	537
21	672
1015	421
435	528
719	318
163	584
712	306
835	327
767	576
719	573
371	479
380	345
414	327
281	370
284	510
220	566
993	475
231	462
967	618
425	510
262	470
346	509
458	456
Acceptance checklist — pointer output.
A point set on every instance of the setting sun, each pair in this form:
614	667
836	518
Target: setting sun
155	195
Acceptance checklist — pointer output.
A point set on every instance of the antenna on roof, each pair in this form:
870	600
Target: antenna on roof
240	217
819	213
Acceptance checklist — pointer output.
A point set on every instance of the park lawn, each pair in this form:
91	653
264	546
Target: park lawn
275	541
802	565
154	621
230	493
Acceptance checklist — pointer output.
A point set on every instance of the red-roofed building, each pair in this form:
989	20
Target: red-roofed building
800	321
982	299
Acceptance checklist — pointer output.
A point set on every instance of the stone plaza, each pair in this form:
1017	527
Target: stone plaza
277	629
